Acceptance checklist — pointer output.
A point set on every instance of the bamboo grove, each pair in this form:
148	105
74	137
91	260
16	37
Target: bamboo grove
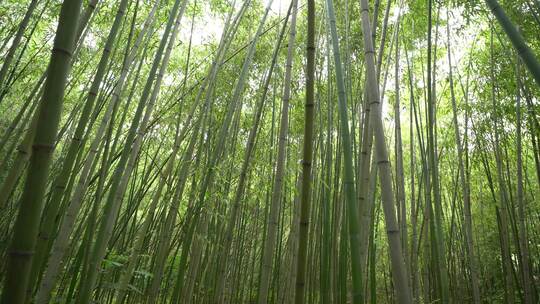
278	151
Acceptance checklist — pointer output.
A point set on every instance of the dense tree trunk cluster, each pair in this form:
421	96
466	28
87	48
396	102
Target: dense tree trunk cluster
336	151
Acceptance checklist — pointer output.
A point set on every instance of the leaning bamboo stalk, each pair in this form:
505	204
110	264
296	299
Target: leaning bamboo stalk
223	256
15	44
61	242
164	239
522	206
122	171
269	244
24	149
367	143
131	164
348	175
149	218
233	106
467	221
77	143
400	176
502	191
27	223
523	50
399	271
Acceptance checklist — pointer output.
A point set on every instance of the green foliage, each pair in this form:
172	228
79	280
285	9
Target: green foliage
484	70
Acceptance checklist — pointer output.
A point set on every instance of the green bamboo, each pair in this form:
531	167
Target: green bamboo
61	241
27	223
399	271
467	221
164	238
522	204
15	44
523	50
434	202
233	214
502	214
348	175
270	238
121	174
77	143
307	155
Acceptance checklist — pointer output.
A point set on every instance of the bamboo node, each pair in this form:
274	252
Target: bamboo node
21	253
44	147
62	50
306	163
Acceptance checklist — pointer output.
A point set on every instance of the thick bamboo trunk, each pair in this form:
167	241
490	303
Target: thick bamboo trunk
399	271
27	223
